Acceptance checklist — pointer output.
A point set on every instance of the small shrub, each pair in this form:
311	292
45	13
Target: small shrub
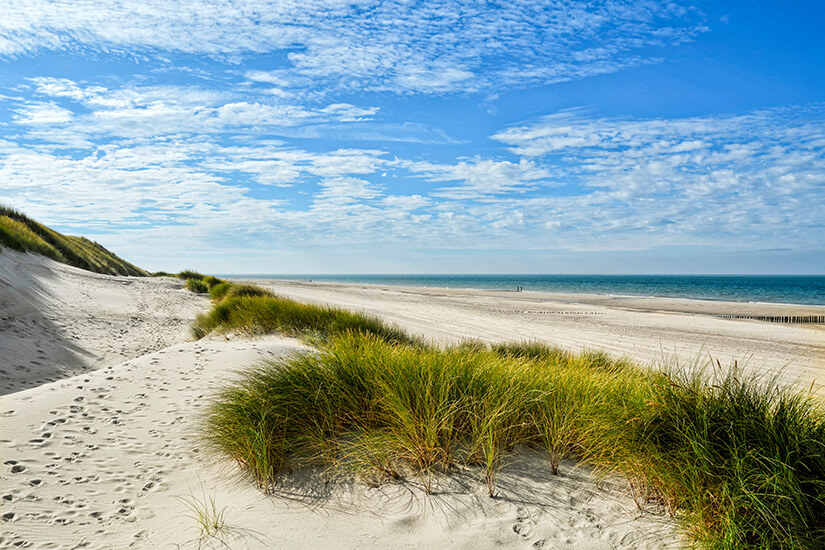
163	274
196	285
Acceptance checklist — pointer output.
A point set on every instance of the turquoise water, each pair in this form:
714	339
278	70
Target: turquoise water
772	289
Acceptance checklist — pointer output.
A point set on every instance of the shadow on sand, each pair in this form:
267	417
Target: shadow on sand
34	350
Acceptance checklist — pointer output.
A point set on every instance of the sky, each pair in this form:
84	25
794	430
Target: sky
402	136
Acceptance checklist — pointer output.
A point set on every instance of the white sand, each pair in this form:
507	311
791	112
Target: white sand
106	458
57	320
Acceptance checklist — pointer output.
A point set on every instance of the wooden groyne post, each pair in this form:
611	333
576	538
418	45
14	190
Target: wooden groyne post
788	319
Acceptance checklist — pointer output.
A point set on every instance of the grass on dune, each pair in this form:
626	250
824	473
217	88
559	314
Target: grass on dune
223	289
741	460
218	292
248	291
254	310
19	232
391	408
197	286
211	281
744	457
200	284
190	274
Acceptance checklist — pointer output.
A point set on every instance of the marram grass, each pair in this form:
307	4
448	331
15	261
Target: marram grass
741	461
19	232
254	310
211	281
197	286
218	291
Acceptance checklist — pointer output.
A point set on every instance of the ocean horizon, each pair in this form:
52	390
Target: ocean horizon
781	289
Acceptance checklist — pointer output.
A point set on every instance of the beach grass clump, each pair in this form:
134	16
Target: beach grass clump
261	312
163	274
382	410
196	285
224	289
218	292
17	235
249	291
190	274
744	457
211	281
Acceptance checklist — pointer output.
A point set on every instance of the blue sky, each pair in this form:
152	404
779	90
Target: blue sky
421	137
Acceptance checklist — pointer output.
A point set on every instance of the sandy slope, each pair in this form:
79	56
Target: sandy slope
57	320
107	458
650	330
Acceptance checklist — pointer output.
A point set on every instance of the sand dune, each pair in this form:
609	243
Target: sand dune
57	320
102	449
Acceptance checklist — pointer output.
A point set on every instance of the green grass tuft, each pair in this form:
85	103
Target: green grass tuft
218	292
197	286
745	457
260	314
211	281
245	290
190	274
390	408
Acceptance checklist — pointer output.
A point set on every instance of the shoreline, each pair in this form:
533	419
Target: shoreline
661	303
657	332
259	279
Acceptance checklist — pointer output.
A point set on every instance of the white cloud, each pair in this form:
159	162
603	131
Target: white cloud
455	45
277	165
344	112
145	111
748	181
481	178
42	113
717	180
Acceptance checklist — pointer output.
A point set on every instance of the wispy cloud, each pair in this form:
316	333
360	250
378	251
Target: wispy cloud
480	178
734	180
308	125
155	110
396	46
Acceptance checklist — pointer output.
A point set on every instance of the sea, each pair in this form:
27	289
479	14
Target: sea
781	289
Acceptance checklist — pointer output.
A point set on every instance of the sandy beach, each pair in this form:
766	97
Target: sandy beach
104	392
653	331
